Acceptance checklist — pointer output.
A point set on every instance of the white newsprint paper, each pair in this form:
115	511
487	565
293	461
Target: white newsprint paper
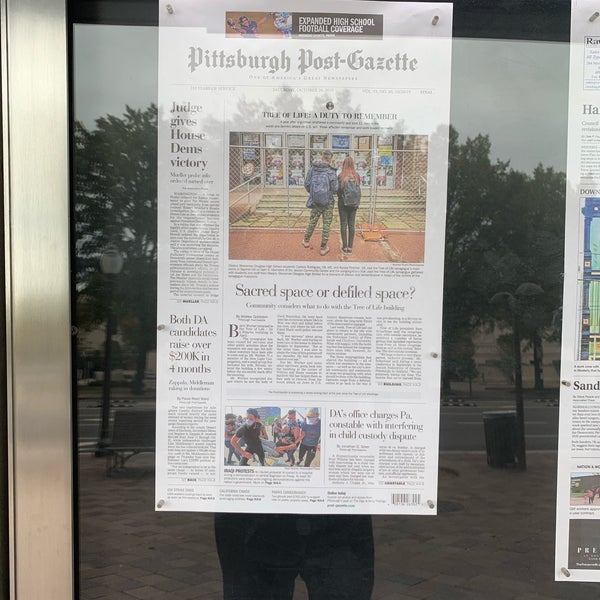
299	325
578	494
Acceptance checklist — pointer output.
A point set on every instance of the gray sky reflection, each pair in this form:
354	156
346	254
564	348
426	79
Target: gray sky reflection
515	91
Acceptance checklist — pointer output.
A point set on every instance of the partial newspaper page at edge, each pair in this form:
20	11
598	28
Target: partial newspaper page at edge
578	483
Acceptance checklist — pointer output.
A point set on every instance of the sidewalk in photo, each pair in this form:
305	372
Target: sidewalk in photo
493	538
268	244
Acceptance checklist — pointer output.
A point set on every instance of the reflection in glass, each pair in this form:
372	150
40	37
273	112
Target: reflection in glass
504	227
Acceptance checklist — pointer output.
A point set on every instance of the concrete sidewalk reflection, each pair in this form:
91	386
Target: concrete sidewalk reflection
493	538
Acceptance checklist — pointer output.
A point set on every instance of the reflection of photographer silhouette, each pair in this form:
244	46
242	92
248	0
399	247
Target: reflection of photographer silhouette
262	554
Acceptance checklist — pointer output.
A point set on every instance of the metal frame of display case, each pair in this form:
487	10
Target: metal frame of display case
35	128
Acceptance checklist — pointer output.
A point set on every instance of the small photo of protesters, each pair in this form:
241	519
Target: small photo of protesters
272	436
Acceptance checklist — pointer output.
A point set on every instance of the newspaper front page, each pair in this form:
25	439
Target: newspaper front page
578	493
302	193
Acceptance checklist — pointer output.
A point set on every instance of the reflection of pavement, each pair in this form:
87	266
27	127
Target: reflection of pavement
493	538
254	244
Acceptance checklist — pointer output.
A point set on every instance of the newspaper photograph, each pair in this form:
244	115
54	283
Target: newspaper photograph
302	197
578	483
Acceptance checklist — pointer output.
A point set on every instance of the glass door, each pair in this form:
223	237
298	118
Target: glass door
81	295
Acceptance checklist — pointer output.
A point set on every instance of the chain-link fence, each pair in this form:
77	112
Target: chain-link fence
267	174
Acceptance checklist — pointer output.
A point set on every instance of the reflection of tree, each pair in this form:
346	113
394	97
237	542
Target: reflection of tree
504	228
472	194
115	201
519	311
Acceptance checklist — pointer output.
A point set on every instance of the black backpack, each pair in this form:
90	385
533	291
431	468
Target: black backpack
319	188
351	193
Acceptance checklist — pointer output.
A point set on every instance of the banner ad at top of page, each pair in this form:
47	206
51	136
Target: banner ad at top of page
307	25
302	193
578	493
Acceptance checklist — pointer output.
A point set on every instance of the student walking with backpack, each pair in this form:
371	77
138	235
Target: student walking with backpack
321	183
348	202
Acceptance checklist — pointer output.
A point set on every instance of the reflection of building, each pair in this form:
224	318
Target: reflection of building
90	349
495	369
590	300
